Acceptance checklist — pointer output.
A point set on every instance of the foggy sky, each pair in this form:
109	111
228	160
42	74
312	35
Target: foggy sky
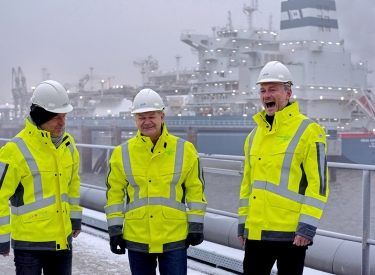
67	37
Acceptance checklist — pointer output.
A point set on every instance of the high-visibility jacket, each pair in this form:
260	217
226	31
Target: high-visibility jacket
42	184
285	183
154	182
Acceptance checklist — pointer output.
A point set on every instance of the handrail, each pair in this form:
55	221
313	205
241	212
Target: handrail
366	241
129	122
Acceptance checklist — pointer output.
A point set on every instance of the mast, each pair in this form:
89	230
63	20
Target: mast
248	10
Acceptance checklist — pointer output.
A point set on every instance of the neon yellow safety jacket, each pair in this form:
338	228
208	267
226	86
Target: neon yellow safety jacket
285	183
42	184
154	182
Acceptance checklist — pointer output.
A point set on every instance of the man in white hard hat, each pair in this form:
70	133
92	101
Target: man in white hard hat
285	183
154	174
39	175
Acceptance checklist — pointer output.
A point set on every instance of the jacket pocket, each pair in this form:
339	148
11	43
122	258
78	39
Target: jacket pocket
135	214
284	203
68	171
41	214
174	214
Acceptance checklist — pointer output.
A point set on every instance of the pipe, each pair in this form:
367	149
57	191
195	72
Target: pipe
328	254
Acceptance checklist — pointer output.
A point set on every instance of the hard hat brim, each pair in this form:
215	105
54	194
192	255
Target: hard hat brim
145	110
63	110
271	80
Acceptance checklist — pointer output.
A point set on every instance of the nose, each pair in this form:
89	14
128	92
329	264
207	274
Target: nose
61	121
146	121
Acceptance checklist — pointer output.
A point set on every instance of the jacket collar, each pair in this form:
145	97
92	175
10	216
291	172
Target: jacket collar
163	137
282	116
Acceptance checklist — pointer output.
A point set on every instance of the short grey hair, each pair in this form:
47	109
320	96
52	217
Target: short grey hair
287	86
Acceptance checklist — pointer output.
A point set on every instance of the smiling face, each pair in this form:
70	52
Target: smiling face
274	97
149	124
55	125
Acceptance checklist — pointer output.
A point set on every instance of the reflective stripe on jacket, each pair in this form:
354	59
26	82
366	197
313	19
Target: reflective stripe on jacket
155	181
42	184
285	184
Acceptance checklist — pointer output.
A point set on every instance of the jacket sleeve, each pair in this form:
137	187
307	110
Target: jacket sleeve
316	172
245	191
10	176
74	192
195	184
116	186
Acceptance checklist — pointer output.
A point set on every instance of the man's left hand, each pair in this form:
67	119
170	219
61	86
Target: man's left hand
194	239
75	233
300	241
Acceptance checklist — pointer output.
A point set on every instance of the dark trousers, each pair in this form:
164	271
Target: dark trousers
260	257
170	263
32	262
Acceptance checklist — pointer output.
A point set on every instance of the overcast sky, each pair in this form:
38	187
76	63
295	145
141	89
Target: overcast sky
67	37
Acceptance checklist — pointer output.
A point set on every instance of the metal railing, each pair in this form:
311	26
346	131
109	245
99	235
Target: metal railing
129	122
365	240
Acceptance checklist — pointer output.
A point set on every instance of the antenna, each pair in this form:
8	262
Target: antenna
248	10
177	67
230	21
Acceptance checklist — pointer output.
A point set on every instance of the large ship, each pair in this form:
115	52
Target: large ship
329	85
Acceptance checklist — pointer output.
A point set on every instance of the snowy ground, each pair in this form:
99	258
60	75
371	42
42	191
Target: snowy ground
92	256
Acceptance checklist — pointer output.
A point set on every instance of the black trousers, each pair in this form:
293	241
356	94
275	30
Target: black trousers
260	257
32	262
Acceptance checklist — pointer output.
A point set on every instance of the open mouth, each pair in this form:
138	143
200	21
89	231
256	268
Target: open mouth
270	104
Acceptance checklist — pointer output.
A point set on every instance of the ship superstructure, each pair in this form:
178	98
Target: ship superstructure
330	87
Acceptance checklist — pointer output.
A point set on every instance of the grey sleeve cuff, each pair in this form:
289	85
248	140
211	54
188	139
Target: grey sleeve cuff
5	247
115	230
76	224
196	227
241	229
306	230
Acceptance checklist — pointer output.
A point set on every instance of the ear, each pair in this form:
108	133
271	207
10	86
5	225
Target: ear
162	116
288	93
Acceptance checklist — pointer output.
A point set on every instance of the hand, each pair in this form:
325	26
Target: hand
5	255
242	240
115	241
300	241
194	239
75	233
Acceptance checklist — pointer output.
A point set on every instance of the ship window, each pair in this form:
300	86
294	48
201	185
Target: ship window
227	87
235	86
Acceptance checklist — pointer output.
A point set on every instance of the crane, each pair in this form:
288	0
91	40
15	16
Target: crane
19	92
78	86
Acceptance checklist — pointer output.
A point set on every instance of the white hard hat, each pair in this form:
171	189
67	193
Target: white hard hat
52	97
147	100
275	71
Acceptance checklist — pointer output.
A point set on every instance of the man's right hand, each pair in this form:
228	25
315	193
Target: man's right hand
5	255
115	241
242	240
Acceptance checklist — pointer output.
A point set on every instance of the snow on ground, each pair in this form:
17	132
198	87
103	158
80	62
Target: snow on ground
92	256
